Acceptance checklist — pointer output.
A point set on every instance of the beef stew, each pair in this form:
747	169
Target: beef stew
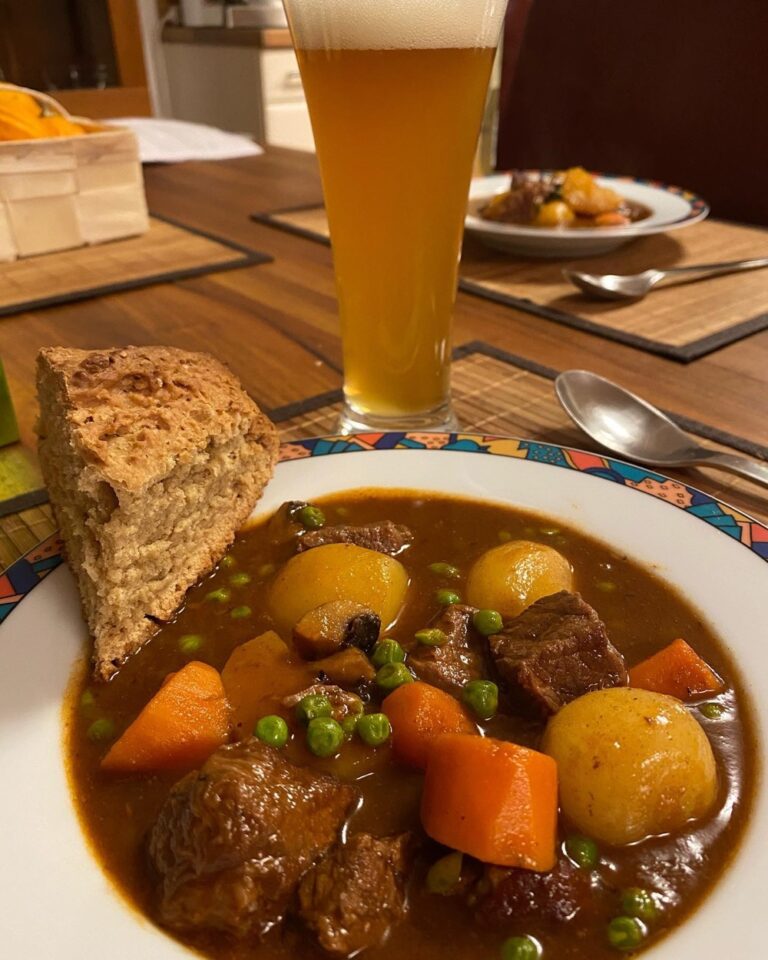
334	829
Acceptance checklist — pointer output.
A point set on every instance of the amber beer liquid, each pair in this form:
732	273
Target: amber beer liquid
395	131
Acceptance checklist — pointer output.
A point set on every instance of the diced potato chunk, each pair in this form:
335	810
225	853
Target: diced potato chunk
585	196
511	577
337	571
631	764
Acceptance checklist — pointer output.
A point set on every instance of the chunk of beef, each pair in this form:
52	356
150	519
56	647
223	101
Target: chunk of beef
384	537
342	702
356	894
233	839
555	651
334	625
455	662
504	894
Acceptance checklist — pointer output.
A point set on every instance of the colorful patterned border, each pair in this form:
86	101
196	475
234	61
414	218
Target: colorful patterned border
21	578
729	520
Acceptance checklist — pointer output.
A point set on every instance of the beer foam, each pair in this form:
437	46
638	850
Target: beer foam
394	24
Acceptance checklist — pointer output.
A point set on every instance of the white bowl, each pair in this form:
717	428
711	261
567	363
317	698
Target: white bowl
671	209
56	902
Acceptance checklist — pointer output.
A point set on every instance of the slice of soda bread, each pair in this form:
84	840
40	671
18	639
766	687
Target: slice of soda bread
153	457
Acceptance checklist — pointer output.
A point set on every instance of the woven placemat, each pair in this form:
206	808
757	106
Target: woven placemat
683	322
494	393
167	251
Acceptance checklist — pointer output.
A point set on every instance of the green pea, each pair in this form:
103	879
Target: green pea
482	698
712	711
487	622
520	948
228	562
387	651
444	875
607	586
312	706
582	851
324	736
272	730
265	570
431	637
504	536
342	511
219	596
393	675
87	701
446	570
190	643
349	725
101	730
240	613
240	579
549	531
374	729
311	518
446	597
637	902
625	933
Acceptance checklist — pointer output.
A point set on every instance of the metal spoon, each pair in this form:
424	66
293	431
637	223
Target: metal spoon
628	425
634	286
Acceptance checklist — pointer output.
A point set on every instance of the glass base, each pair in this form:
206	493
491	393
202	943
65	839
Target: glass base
440	420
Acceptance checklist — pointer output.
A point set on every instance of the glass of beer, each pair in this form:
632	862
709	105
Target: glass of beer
396	90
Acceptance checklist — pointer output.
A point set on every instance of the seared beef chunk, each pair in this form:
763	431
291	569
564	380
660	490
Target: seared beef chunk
342	703
233	839
557	650
384	537
356	893
454	663
505	894
331	626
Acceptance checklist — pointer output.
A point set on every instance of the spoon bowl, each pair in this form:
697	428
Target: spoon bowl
626	424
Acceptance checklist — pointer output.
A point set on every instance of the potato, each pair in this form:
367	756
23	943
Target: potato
631	764
511	577
337	571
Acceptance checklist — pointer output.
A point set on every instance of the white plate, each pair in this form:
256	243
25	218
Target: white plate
56	902
671	208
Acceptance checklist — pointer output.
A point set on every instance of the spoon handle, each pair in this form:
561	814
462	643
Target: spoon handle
702	270
743	466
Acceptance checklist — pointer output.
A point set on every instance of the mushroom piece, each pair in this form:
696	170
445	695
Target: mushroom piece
348	668
332	626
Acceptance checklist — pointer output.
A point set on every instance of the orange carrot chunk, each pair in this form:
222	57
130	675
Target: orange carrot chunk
494	800
180	727
419	712
678	671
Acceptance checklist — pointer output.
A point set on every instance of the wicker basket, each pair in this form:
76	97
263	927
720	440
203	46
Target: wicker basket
63	192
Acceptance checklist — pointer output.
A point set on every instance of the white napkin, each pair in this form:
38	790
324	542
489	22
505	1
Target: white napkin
173	141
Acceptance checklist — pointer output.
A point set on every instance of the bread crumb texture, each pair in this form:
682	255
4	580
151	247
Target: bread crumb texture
153	457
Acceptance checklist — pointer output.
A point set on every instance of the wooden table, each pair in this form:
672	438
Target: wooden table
276	324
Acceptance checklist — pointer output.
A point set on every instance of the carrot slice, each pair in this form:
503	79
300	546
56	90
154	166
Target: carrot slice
678	671
180	727
419	712
494	800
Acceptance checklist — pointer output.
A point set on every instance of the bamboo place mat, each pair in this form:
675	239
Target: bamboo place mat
494	393
167	251
497	393
683	322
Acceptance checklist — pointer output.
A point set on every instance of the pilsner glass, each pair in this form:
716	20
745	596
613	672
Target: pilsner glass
396	90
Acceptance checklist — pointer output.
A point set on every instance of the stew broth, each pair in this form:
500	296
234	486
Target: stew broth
642	615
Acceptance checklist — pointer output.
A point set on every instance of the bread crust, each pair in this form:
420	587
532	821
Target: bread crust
153	457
